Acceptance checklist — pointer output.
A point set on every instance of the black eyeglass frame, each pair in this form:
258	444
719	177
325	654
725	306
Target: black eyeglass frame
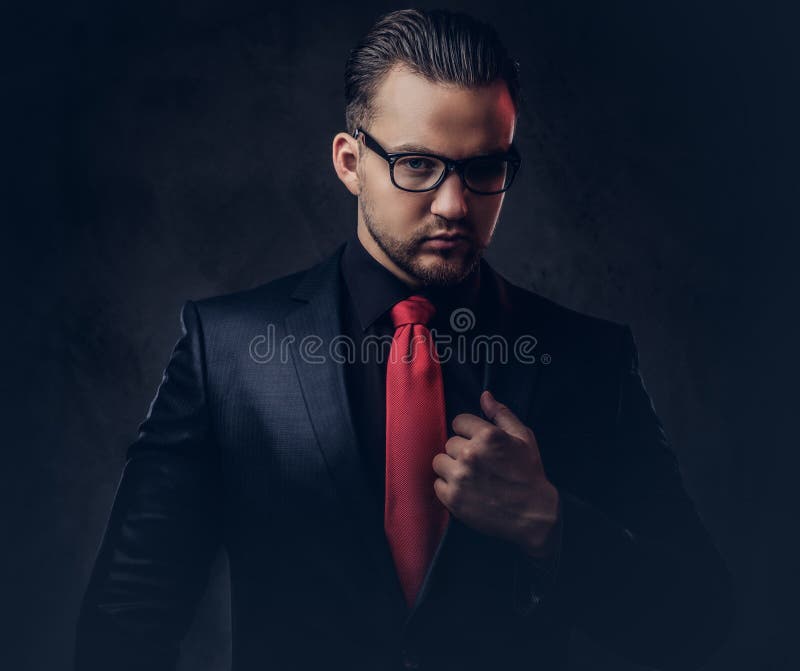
458	165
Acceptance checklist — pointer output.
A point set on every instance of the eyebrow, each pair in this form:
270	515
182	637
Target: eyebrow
410	146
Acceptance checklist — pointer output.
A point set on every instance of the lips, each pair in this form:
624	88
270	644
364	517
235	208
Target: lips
445	242
449	237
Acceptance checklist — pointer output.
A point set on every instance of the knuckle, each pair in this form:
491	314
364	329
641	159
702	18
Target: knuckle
461	475
487	434
491	435
467	455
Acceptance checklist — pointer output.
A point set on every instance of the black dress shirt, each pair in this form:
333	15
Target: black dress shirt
372	290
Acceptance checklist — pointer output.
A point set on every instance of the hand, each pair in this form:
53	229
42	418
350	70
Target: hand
491	478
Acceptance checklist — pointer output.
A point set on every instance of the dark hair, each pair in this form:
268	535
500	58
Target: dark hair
443	46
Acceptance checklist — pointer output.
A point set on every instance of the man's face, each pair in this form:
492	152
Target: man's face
395	225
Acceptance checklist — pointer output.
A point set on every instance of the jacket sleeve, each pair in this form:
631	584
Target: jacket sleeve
641	574
163	530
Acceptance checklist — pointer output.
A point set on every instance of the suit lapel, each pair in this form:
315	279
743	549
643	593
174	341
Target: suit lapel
317	318
512	382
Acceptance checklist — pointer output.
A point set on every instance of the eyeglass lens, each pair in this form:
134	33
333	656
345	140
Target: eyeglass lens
485	174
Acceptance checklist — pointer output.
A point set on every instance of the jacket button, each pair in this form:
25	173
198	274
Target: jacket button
410	660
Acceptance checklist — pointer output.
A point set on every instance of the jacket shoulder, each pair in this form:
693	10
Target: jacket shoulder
270	294
270	300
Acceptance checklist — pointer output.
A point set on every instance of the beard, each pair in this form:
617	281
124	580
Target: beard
451	266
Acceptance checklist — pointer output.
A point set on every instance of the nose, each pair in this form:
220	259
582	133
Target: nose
450	202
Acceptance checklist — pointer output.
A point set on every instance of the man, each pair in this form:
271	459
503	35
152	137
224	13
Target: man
422	510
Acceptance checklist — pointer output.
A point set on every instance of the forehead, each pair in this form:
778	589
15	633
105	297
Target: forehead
443	118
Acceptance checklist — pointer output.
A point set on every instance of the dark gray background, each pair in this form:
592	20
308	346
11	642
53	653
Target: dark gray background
163	151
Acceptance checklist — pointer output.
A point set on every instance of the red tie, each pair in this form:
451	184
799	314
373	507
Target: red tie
414	518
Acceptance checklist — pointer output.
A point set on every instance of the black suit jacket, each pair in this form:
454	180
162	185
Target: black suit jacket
258	454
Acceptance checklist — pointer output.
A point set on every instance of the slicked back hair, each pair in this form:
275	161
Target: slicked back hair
445	47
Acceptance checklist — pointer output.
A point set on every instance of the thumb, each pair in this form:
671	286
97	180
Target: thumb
502	416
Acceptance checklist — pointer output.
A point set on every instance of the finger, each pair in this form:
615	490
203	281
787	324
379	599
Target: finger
502	416
444	466
442	491
454	445
468	425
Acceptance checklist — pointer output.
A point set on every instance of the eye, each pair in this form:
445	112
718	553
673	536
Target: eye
418	163
417	173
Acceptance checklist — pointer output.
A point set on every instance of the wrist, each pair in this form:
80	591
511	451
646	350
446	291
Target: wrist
542	538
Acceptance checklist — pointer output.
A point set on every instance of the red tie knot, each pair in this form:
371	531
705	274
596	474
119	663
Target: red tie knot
413	310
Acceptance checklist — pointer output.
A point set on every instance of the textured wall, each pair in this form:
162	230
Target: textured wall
165	151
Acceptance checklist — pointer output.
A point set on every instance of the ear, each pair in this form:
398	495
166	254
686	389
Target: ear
345	161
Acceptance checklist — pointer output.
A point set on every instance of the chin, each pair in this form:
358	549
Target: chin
442	271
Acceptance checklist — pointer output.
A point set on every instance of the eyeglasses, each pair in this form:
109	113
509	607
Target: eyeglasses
412	171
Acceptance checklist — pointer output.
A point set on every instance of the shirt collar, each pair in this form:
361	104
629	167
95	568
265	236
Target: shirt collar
375	289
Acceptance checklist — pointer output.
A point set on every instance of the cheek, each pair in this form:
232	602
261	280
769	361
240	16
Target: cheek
401	211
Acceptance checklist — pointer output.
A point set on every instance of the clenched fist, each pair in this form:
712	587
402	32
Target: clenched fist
491	478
